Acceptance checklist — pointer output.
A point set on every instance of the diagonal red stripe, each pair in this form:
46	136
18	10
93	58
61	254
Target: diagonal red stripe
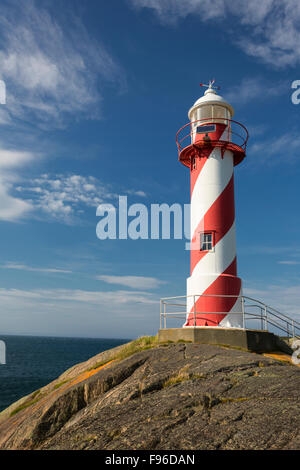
218	219
226	284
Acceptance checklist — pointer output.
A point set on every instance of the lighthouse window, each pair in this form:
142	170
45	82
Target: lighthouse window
206	128
194	164
206	241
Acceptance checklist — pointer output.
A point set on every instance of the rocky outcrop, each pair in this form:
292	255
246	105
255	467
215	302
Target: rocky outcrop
168	396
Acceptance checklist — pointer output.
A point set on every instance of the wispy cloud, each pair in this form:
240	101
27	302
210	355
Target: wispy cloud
79	312
273	150
136	193
252	88
12	208
286	299
79	295
135	282
288	250
170	11
51	72
23	267
289	262
269	30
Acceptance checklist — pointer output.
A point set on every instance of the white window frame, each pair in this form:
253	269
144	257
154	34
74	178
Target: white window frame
204	241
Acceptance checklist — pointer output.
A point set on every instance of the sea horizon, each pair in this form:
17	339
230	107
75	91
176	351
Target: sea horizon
34	361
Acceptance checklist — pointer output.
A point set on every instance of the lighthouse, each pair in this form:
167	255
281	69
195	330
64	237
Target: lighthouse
211	145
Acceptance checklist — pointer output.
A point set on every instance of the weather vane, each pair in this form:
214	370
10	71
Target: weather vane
210	85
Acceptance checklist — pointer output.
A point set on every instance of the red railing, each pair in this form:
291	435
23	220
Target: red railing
237	134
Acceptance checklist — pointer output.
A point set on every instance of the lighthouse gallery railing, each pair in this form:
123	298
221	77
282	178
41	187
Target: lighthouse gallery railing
235	132
254	313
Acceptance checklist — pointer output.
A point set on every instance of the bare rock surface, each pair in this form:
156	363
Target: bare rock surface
171	396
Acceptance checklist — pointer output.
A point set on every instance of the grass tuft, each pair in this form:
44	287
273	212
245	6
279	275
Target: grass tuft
139	344
34	398
60	384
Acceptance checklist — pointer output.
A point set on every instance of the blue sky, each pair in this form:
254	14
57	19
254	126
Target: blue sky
96	92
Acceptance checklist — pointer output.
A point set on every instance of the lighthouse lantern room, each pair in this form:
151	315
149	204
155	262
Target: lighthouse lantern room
211	145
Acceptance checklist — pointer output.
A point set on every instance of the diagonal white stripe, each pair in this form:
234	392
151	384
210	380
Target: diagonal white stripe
211	182
212	265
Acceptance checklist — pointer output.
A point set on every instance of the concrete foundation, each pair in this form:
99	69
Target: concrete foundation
252	340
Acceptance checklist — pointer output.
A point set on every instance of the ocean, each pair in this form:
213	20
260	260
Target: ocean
34	361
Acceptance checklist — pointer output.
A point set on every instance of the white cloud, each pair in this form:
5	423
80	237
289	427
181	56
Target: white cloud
59	197
269	29
12	208
135	282
136	193
23	267
63	197
53	70
10	159
50	71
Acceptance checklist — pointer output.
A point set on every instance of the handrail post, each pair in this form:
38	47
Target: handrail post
228	136
243	311
194	312
165	317
293	328
160	313
266	319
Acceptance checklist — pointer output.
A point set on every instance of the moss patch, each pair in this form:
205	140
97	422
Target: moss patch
140	344
60	384
182	377
233	400
34	398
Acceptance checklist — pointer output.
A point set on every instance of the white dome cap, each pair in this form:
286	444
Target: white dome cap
211	97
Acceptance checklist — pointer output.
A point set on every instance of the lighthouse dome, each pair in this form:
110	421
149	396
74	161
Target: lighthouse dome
210	104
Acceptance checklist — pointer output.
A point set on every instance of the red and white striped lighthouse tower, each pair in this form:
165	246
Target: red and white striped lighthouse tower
210	146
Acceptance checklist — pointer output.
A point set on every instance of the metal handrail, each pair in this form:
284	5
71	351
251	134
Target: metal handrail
270	308
181	147
267	315
212	120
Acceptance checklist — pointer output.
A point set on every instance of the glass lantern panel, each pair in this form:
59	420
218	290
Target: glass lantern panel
194	117
206	113
220	113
